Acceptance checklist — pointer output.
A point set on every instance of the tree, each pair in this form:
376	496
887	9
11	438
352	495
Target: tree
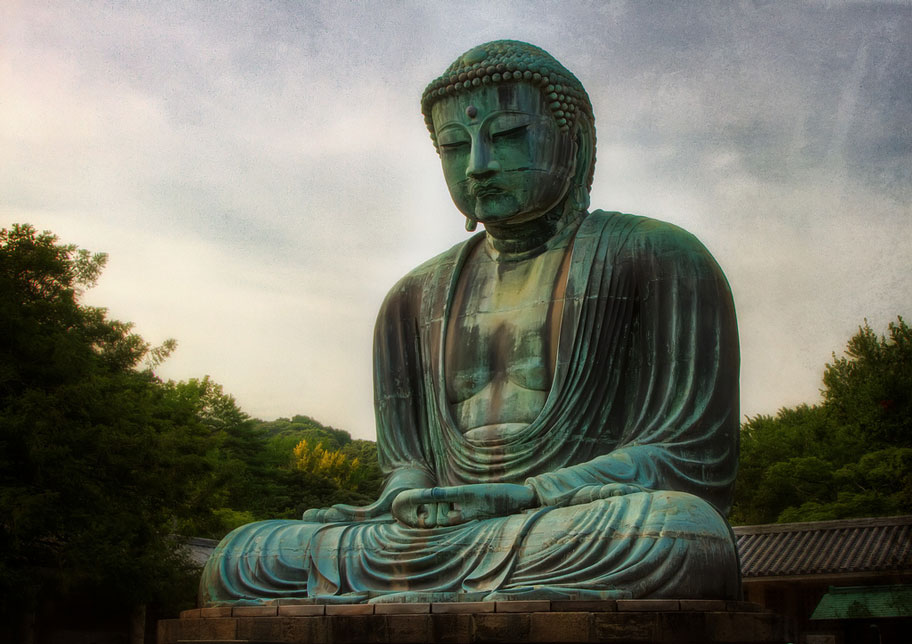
93	450
849	456
229	484
101	462
870	389
296	486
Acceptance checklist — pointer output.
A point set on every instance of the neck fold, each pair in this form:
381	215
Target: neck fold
514	242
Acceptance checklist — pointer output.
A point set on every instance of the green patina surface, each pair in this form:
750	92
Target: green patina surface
556	397
860	602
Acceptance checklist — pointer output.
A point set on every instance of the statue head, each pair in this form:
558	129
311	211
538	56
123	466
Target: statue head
515	133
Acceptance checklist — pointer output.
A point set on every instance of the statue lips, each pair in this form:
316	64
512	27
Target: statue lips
480	190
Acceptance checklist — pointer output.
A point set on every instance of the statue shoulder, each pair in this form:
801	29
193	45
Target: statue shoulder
646	234
421	279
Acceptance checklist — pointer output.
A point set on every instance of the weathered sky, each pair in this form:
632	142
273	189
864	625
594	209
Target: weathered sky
260	175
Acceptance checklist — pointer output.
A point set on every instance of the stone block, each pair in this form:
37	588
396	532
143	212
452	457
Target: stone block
168	631
625	627
402	609
215	611
313	630
523	606
681	627
190	614
584	605
452	628
408	629
259	628
462	607
349	609
348	629
302	610
560	627
743	607
703	605
631	627
254	611
647	605
746	627
502	627
212	628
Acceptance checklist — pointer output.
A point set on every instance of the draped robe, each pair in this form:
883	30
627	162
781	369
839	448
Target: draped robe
644	392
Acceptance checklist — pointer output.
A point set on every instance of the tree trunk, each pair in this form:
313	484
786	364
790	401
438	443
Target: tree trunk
138	624
27	627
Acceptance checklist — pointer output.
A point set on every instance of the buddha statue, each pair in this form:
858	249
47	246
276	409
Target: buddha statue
556	397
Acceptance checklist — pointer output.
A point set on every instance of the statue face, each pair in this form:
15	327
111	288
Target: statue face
504	159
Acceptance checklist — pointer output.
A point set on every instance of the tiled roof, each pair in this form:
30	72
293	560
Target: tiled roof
199	549
881	544
864	602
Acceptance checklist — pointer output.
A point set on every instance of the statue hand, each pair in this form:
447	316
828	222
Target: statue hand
594	492
343	513
326	515
447	506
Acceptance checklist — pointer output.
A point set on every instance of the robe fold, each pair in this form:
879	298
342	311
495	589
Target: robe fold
644	392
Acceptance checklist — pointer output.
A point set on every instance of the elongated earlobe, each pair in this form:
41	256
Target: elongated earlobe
585	160
471	224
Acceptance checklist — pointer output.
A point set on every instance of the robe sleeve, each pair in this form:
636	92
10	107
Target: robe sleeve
399	396
674	414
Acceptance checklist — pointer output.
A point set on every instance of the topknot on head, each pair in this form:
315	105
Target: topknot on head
504	61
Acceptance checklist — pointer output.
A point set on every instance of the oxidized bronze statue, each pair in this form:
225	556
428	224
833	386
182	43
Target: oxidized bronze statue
556	397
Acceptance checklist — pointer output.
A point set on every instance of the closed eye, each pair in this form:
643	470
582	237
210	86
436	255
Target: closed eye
510	132
454	145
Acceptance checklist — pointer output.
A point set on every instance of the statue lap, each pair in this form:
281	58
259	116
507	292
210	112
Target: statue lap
647	544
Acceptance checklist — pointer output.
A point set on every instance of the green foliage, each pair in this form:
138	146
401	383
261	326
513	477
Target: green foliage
225	460
88	443
870	389
295	489
368	478
247	469
101	463
851	455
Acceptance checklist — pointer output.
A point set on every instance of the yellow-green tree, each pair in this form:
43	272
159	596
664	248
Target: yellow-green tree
329	463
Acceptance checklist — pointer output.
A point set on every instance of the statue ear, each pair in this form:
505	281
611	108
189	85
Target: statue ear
584	137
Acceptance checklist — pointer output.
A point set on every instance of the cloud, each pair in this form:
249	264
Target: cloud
260	173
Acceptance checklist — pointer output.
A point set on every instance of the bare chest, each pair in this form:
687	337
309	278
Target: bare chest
502	337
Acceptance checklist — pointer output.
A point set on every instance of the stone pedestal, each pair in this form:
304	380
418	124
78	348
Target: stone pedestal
627	621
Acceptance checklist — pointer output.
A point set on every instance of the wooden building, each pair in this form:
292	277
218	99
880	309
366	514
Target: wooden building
790	567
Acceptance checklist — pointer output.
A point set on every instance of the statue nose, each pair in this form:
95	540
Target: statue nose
481	164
